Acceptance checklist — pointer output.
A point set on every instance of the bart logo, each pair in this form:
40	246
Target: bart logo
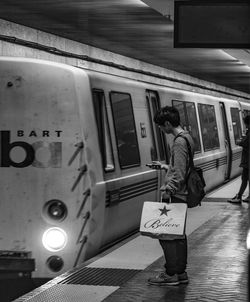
54	150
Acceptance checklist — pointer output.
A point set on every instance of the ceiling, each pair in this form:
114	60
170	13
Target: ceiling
140	30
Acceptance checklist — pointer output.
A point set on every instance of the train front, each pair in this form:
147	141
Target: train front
51	192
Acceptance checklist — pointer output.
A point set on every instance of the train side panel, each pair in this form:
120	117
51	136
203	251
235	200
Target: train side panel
127	187
124	197
193	110
218	161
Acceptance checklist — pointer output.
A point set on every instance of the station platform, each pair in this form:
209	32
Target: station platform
217	262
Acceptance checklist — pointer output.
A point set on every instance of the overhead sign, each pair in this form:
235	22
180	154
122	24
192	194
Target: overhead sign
201	24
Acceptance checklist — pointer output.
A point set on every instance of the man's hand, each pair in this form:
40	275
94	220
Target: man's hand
164	195
162	166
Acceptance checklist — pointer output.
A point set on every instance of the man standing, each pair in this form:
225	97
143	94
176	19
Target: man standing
244	164
174	190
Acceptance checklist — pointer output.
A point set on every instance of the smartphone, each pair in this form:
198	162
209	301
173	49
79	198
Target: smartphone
154	166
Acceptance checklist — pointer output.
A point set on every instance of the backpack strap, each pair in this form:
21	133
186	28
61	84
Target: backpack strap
189	149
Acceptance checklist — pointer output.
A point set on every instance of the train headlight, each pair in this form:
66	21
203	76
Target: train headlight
55	209
54	239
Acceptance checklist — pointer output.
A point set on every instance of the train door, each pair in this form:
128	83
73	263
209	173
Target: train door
227	142
161	153
103	130
153	102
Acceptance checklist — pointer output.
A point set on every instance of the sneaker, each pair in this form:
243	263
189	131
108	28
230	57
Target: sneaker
235	199
183	278
164	279
247	199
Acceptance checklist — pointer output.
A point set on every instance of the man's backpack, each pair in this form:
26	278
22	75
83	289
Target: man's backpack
195	181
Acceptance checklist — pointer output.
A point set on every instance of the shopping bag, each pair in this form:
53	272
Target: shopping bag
164	221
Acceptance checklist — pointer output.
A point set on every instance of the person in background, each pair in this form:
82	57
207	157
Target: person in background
244	143
175	251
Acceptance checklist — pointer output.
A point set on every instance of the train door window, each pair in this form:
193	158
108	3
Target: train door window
180	106
103	130
124	123
160	147
153	147
235	115
209	130
245	112
188	119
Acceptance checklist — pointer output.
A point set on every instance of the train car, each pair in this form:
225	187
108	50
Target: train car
74	149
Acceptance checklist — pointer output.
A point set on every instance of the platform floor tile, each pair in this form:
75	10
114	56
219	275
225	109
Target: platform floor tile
217	265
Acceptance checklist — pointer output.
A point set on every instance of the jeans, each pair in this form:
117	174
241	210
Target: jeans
244	181
175	252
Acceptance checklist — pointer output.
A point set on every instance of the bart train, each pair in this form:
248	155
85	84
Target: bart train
74	149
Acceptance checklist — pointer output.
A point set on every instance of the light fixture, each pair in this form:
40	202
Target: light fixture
55	209
55	263
54	239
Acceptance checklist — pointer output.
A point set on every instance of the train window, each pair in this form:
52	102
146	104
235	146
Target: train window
246	112
153	148
209	130
153	103
189	122
126	137
180	106
103	130
235	115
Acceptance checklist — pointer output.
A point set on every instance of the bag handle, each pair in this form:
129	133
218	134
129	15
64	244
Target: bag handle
169	200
